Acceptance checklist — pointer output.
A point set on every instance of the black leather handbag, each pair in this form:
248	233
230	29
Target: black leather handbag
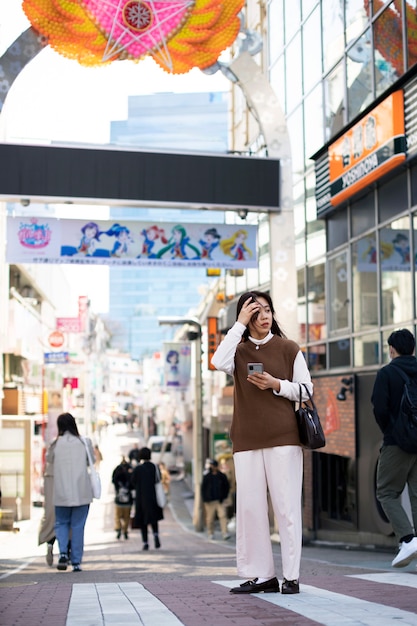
309	426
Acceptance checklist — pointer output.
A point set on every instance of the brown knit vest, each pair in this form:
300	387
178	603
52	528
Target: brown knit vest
261	419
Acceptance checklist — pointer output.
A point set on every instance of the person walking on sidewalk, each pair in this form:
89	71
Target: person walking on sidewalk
121	479
266	446
147	511
72	489
47	525
214	491
396	468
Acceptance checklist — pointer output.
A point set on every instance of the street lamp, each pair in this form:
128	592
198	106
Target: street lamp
197	415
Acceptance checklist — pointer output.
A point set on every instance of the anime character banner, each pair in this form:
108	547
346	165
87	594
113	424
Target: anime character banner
50	240
177	364
393	250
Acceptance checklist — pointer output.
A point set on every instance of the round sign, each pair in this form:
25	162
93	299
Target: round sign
56	339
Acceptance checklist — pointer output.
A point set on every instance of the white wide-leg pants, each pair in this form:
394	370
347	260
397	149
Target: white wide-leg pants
280	470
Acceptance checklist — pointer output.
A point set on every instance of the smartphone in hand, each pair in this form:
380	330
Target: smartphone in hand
255	368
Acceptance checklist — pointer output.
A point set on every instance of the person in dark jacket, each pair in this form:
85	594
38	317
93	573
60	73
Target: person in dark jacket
214	491
147	511
121	479
396	468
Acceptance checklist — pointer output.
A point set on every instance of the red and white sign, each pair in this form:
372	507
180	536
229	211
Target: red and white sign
68	324
56	339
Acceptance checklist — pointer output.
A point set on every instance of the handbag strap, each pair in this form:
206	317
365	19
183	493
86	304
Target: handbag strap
90	460
157	474
308	393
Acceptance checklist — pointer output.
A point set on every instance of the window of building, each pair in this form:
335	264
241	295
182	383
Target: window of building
392	197
276	25
314	133
337	229
292	18
396	286
339	353
362	214
307	6
413	178
294	68
334	89
359	75
301	306
333	35
355	18
411	9
388	47
317	358
312	54
338	294
365	283
366	350
316	239
316	312
295	129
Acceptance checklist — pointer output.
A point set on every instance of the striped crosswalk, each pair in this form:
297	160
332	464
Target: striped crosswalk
330	608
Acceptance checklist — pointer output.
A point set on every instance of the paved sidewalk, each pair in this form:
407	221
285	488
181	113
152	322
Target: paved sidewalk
187	581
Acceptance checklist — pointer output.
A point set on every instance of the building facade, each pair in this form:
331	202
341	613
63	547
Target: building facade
345	75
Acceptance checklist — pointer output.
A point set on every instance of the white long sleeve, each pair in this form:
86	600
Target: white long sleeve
224	360
224	357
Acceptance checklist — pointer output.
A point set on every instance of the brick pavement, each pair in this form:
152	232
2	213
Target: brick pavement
186	582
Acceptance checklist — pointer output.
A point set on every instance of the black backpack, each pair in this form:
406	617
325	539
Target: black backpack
404	429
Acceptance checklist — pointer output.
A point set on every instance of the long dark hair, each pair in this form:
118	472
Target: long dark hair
66	423
275	329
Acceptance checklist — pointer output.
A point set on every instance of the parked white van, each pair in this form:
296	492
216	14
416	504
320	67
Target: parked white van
168	450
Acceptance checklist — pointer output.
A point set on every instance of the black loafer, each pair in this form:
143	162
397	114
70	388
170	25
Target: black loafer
251	586
290	586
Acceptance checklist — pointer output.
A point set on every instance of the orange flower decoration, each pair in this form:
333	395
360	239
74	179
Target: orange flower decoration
178	34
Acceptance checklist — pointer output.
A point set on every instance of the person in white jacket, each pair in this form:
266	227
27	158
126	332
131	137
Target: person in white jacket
72	489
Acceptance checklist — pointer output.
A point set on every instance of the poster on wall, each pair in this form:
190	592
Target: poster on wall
51	240
393	251
177	364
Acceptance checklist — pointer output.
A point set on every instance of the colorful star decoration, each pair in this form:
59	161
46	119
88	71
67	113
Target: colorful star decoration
178	34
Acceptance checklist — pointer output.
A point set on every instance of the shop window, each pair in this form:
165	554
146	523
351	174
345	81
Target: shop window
396	287
339	353
359	75
301	306
337	229
388	44
413	177
317	358
316	311
338	294
392	197
337	486
366	350
365	283
362	214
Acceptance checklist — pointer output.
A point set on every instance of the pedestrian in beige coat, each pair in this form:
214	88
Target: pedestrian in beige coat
72	489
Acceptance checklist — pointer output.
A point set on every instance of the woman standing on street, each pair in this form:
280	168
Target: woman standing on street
147	511
72	489
266	446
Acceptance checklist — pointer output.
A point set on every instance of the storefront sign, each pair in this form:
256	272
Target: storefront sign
56	357
68	324
56	339
371	148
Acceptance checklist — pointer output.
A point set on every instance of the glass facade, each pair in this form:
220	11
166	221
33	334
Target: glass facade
347	54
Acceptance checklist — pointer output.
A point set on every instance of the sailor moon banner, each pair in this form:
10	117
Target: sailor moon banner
50	240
